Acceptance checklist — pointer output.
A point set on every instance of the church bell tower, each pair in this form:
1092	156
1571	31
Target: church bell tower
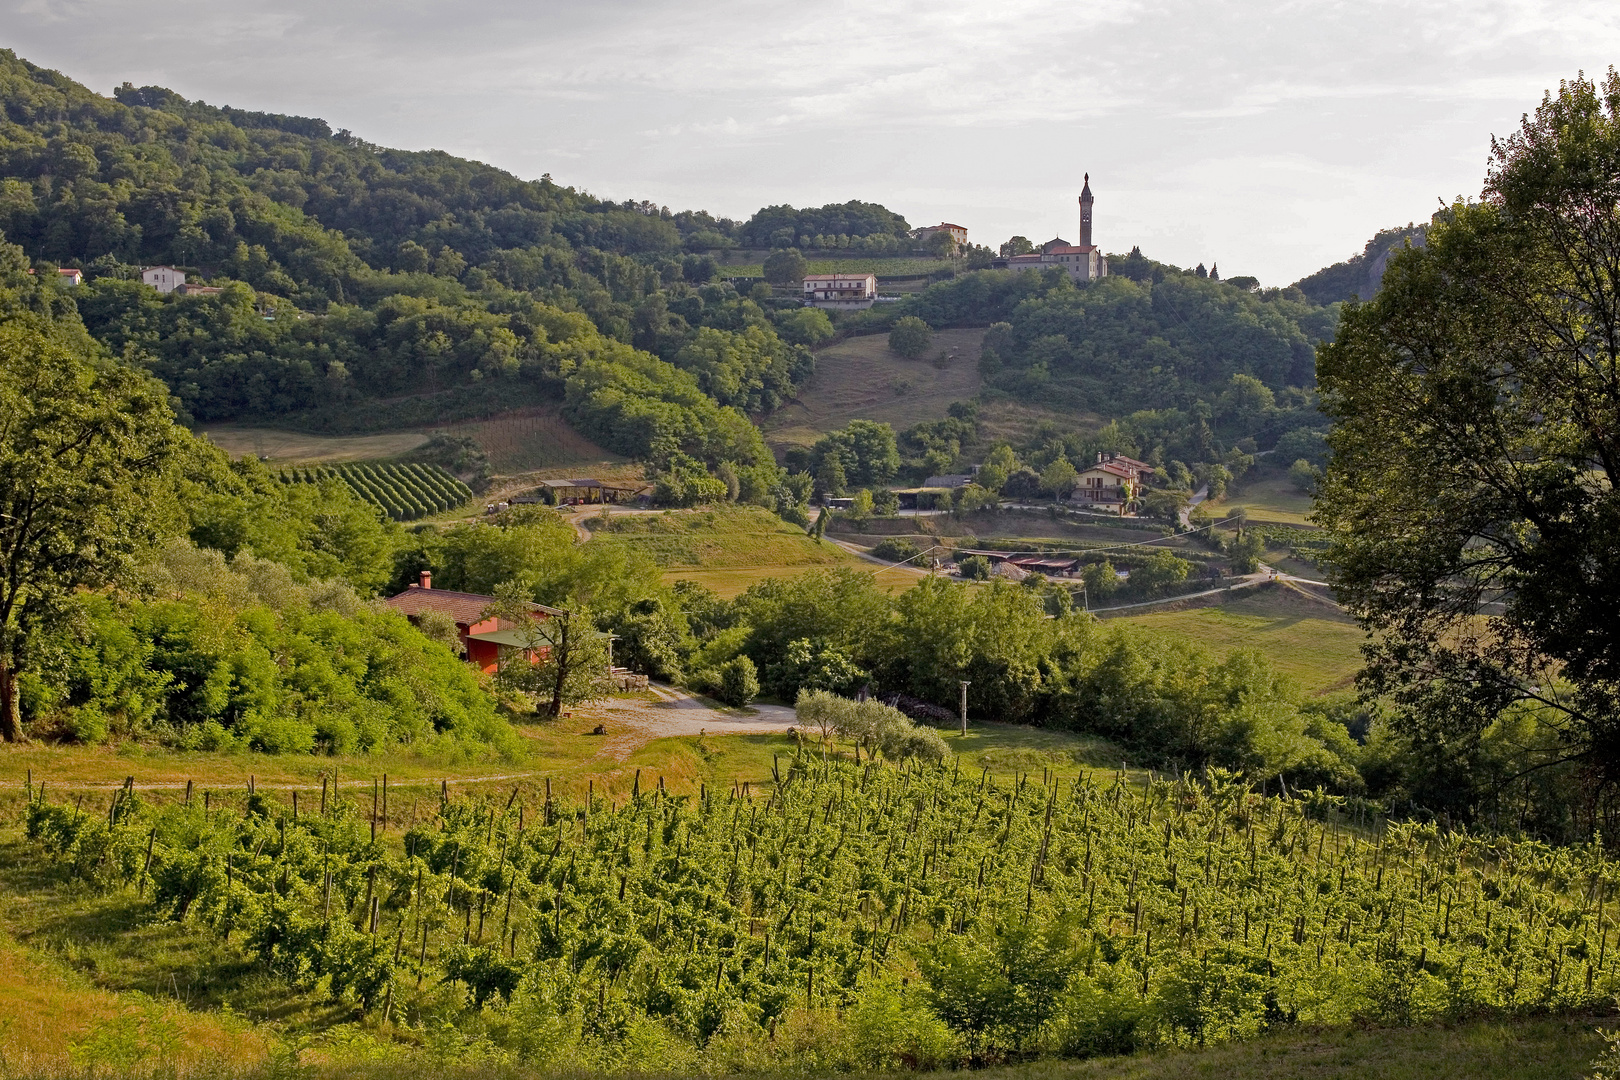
1085	213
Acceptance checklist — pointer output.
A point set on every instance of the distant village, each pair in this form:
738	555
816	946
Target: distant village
1082	262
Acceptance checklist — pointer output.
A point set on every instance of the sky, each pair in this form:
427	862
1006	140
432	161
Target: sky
1270	139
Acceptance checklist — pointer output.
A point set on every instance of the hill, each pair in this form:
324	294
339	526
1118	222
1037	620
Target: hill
1358	276
859	378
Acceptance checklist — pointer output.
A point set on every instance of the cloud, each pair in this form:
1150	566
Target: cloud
1271	137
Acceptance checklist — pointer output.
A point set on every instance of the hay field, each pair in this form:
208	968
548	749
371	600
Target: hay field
529	439
1303	636
295	446
860	379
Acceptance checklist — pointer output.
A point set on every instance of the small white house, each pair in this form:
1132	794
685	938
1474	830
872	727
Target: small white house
840	290
165	279
71	277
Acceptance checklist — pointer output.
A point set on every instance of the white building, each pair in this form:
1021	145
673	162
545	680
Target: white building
72	277
164	279
845	291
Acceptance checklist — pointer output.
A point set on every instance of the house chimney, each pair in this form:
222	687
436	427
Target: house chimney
1099	457
425	579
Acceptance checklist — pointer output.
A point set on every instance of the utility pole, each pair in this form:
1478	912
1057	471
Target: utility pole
965	685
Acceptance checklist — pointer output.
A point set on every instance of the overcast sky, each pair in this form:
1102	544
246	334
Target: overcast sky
1270	138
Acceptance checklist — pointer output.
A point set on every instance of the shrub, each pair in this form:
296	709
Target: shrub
738	682
896	549
1303	475
910	337
974	568
871	724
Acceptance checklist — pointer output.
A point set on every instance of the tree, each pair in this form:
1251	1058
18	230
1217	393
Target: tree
830	476
1247	548
910	337
885	503
785	267
563	657
860	511
84	447
1059	477
997	468
1018	245
1164	504
1303	475
738	682
1473	493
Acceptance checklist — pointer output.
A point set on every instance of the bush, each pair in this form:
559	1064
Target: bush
896	549
1303	475
974	568
910	337
738	682
870	724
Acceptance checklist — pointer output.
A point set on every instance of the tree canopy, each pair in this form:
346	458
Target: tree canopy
1472	491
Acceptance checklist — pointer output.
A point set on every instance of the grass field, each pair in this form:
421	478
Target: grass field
860	379
294	446
530	439
1304	637
1540	1049
727	549
1271	497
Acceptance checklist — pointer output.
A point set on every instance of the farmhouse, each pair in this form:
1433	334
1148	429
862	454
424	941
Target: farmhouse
1112	482
842	291
482	639
71	276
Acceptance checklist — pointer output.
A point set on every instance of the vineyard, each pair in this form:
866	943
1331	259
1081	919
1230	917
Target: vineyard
403	492
905	916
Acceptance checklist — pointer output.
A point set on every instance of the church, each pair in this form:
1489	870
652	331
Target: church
1082	261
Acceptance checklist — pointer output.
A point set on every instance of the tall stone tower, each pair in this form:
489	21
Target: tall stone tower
1085	213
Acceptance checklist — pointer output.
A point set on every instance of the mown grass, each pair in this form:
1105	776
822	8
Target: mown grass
1272	497
1302	635
860	379
296	446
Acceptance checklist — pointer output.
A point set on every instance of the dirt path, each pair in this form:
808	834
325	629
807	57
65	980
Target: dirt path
632	723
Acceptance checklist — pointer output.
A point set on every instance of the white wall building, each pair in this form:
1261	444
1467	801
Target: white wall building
840	290
164	279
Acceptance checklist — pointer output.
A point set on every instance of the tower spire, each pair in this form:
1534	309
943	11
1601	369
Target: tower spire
1085	212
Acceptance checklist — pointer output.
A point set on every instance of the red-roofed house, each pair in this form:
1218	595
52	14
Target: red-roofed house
71	276
1112	482
482	639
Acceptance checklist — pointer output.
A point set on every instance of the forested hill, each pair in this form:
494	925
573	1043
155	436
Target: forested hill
352	274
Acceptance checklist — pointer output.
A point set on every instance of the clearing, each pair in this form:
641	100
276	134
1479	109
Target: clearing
1272	497
526	440
296	446
1303	635
860	379
727	548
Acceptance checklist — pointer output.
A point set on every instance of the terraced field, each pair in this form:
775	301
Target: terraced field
403	492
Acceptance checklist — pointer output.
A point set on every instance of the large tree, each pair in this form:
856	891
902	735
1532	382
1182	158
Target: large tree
1472	496
84	444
